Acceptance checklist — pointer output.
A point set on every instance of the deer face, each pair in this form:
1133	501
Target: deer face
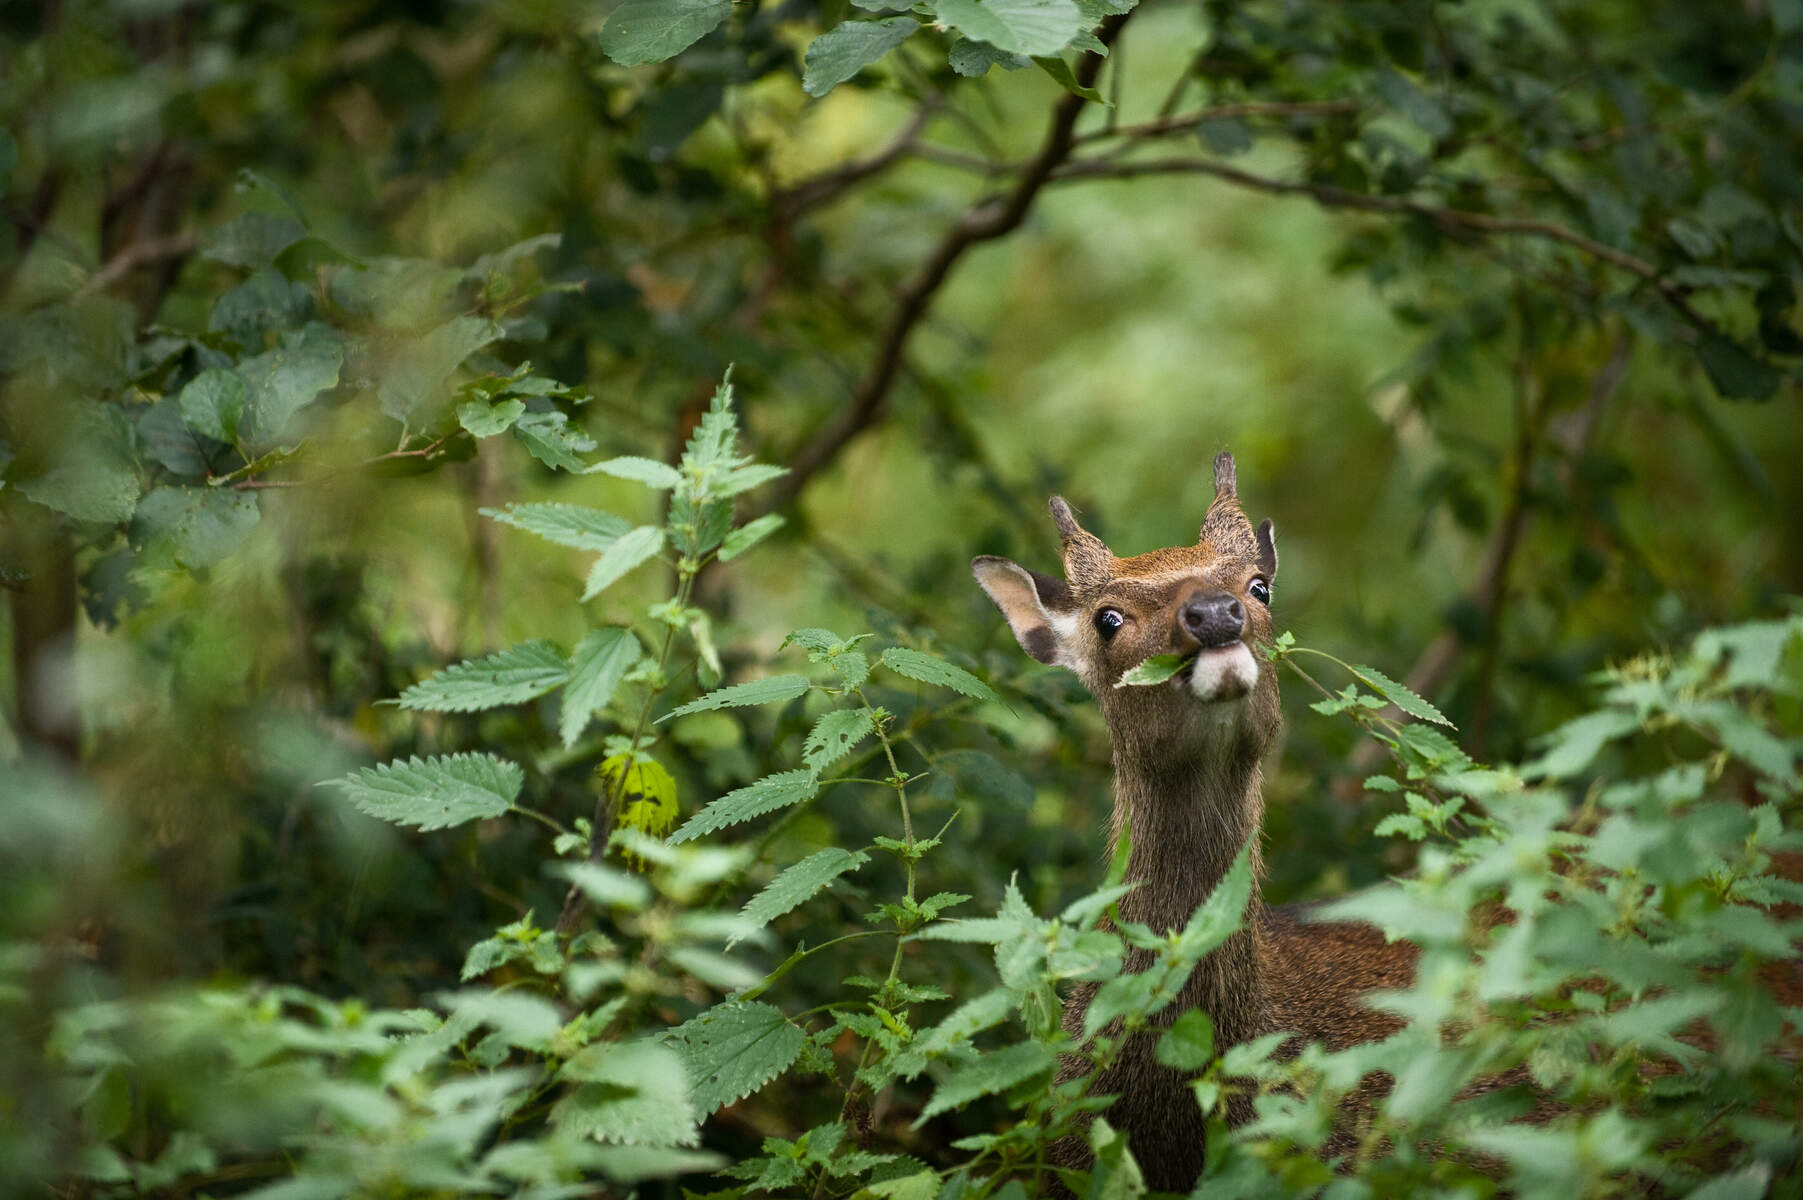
1209	603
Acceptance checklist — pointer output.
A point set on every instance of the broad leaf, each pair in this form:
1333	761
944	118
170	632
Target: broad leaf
739	695
733	1049
937	671
841	52
834	735
435	793
799	883
1031	27
213	403
600	661
195	527
416	375
571	525
481	419
649	31
282	381
754	800
510	676
252	240
630	551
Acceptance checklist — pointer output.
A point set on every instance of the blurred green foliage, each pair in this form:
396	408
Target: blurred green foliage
1496	304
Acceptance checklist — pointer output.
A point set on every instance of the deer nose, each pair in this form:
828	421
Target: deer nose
1212	618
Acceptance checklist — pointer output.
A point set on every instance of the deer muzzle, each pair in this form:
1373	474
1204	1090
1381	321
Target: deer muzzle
1211	619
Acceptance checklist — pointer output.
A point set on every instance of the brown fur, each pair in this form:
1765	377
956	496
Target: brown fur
1188	792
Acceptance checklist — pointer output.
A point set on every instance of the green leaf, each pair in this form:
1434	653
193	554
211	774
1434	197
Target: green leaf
195	527
253	240
548	437
170	441
997	1071
1156	669
739	695
754	800
1748	1183
415	377
635	1093
840	53
600	661
282	381
510	676
937	671
743	479
481	419
571	525
748	535
834	735
1061	73
435	793
630	551
649	31
1401	696
1030	27
647	471
1189	1044
973	59
213	403
799	883
1736	374
91	476
733	1049
984	777
607	886
1572	746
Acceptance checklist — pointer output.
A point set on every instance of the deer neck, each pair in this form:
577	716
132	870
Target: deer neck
1187	819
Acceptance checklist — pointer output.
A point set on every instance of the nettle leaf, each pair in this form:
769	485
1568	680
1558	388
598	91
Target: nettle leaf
801	882
649	31
548	437
647	471
511	676
195	527
630	551
743	479
636	1093
213	403
841	52
997	1071
1401	696
928	669
733	1049
834	735
757	691
572	525
754	800
598	664
1156	669
1030	27
748	535
435	793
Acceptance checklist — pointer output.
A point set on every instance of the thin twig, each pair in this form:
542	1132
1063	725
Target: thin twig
135	255
827	186
1187	122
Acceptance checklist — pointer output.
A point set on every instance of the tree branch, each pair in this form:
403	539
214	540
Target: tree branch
984	221
828	186
135	255
1187	122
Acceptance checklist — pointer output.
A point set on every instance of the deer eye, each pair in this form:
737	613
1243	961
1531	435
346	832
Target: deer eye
1109	622
1260	591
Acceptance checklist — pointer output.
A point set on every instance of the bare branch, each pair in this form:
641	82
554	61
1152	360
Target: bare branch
1187	122
828	186
135	255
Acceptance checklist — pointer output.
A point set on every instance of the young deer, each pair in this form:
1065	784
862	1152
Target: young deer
1188	787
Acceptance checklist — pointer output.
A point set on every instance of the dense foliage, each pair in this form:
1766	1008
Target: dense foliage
358	840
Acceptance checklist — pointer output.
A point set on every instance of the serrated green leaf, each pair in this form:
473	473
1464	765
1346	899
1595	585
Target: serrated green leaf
841	52
435	793
572	525
1401	696
799	883
733	1049
649	31
213	403
983	776
928	669
834	735
748	535
630	551
549	438
647	471
195	527
510	676
997	1071
743	479
754	800
598	664
636	1093
771	688
1030	27
1156	669
1189	1044
1064	77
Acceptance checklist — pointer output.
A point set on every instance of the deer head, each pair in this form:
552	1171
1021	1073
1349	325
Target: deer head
1209	602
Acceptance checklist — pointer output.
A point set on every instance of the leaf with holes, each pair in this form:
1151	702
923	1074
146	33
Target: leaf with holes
758	691
733	1049
928	669
834	735
511	676
754	800
434	793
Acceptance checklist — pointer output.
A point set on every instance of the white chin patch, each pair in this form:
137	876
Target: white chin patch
1224	673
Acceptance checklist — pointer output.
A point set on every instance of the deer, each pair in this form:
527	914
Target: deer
1188	789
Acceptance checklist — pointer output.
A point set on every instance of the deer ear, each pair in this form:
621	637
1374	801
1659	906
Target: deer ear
1267	549
1040	609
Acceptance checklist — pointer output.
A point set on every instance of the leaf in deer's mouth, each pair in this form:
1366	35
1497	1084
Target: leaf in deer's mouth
1156	669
